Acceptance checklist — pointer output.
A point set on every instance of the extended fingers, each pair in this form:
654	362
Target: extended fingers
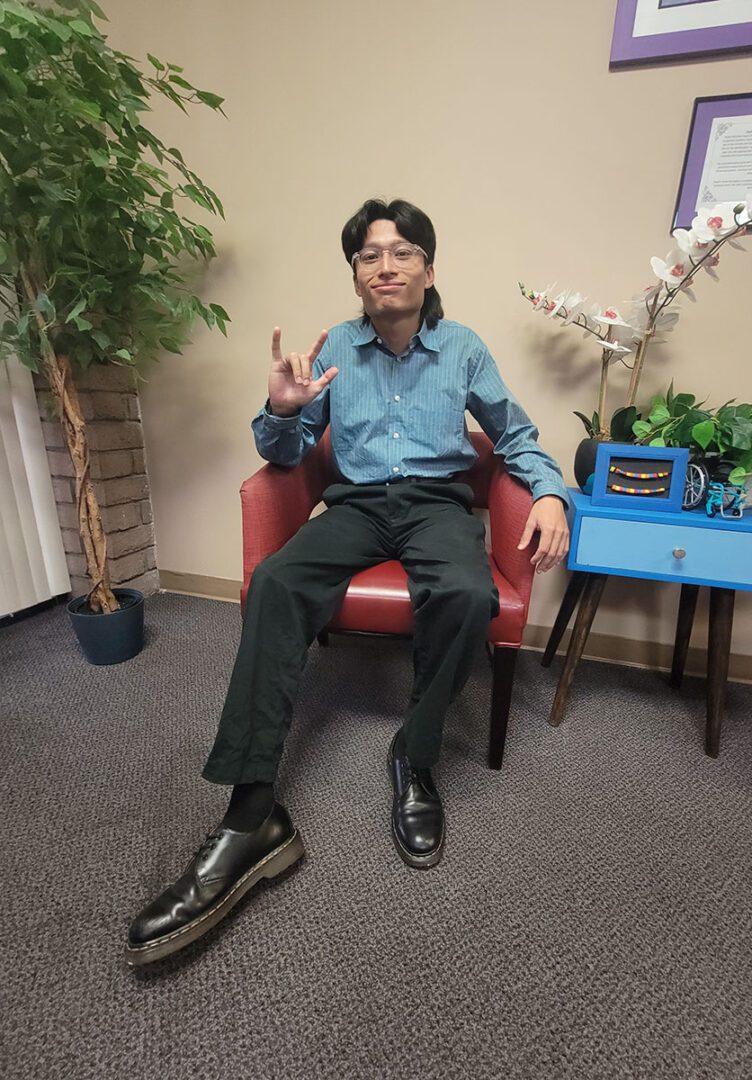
319	384
552	548
276	343
317	345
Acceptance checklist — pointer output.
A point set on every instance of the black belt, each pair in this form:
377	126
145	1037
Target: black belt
423	479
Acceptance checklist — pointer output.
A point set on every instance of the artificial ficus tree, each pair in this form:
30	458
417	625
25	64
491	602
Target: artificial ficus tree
93	242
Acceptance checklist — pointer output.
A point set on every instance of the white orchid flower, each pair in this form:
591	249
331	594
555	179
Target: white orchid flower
610	317
714	222
640	319
673	269
557	304
690	243
710	264
571	306
615	349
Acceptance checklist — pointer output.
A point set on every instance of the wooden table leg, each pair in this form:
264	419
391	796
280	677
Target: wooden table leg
719	646
685	618
591	596
569	603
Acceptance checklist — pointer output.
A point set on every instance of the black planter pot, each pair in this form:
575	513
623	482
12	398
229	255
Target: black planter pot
110	639
584	464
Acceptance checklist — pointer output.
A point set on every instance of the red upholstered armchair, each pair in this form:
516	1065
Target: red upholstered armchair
276	502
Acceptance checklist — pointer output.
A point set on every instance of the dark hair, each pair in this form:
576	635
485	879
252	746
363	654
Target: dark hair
411	223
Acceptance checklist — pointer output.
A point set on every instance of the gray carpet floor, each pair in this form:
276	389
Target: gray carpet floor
590	919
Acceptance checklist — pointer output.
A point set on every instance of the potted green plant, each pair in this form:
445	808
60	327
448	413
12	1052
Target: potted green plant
719	439
92	240
646	318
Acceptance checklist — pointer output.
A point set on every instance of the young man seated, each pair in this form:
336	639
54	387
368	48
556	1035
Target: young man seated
393	386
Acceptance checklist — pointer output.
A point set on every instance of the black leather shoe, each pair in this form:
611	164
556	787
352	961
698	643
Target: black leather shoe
417	813
226	866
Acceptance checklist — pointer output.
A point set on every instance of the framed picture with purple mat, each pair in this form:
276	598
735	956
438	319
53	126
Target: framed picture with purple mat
718	160
652	31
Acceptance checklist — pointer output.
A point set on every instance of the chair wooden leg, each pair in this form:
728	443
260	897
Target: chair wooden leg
504	661
684	620
568	604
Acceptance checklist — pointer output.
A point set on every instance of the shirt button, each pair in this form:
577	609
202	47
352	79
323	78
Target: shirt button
379	341
396	468
396	435
396	397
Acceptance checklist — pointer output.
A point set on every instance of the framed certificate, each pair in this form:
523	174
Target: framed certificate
718	160
650	31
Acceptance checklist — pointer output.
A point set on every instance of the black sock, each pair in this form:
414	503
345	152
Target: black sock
250	805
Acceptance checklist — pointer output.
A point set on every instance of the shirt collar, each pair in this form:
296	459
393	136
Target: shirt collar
429	338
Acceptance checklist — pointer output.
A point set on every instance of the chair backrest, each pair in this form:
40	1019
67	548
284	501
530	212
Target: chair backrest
321	462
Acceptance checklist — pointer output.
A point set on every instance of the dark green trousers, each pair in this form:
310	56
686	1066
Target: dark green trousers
429	527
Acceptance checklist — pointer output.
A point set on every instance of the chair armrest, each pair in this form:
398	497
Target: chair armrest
509	503
275	502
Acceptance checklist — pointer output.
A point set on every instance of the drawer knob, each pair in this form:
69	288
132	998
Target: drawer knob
679	553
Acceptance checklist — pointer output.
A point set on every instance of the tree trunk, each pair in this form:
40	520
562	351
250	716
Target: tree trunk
60	377
57	370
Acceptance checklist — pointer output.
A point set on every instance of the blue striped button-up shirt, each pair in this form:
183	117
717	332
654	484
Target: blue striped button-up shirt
395	416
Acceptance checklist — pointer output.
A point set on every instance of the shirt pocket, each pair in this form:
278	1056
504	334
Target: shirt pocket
440	420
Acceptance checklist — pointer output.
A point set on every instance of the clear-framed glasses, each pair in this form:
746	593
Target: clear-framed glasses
401	254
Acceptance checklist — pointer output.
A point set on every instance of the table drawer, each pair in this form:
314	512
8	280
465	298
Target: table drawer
714	556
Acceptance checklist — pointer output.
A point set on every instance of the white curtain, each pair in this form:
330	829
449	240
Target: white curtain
32	559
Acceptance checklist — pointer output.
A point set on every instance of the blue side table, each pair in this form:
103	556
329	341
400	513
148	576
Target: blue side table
686	547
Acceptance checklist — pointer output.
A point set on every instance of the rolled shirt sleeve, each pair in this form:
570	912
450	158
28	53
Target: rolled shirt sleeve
514	435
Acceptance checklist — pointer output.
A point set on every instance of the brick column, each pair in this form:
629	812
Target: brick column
110	406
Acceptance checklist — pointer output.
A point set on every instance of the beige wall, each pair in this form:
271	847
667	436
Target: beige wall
535	163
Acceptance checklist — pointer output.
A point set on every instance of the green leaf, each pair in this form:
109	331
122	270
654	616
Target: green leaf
124	355
740	430
53	191
703	433
61	30
93	6
170	345
195	195
180	81
657	442
155	63
44	306
79	307
641	428
102	339
100	159
586	422
22	12
88	110
738	475
84	28
659	415
621	424
222	314
212	100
